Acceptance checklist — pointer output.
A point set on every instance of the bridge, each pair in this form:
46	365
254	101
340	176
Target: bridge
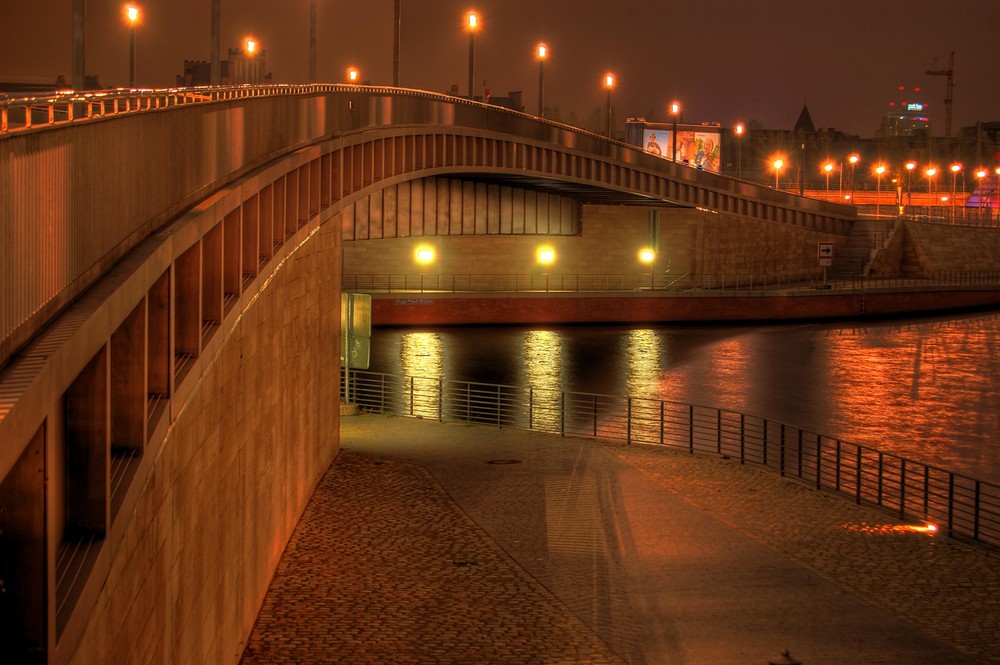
170	278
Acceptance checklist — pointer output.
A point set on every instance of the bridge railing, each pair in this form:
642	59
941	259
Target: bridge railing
958	505
745	283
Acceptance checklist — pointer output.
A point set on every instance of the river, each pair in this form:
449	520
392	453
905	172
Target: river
923	388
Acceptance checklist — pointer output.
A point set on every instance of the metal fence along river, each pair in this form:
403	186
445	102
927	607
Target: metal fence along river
958	505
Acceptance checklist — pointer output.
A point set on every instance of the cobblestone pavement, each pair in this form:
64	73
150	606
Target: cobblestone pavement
383	568
411	550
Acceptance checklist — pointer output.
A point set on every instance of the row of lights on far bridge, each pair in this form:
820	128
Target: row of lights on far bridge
545	255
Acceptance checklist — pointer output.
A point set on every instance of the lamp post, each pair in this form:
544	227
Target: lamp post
647	256
542	53
740	128
980	176
132	14
955	168
395	43
930	173
675	110
910	165
251	49
879	170
853	159
997	193
778	164
473	22
609	83
827	169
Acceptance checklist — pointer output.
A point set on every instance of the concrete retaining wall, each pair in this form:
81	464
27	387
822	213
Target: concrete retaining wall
690	241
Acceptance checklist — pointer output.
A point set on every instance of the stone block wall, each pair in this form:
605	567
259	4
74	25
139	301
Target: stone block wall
234	473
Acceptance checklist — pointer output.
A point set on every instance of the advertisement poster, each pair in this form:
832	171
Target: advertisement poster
696	149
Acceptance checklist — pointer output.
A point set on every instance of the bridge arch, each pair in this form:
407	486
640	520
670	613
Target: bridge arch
169	324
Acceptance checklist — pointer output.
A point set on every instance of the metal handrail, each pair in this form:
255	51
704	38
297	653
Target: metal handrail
960	506
744	283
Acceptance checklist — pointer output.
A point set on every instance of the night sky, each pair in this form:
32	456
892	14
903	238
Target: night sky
725	60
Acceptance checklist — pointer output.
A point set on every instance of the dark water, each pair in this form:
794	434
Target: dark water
923	388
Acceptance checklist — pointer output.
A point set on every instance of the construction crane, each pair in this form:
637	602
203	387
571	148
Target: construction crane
950	73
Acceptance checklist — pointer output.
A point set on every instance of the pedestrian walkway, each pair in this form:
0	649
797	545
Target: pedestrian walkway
447	543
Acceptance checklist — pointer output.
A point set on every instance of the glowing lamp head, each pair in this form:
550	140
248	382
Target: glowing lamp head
740	128
353	75
251	46
424	255
931	172
828	167
981	173
646	255
955	168
910	166
853	159
609	81
543	51
545	256
473	20
675	108
880	169
132	13
778	164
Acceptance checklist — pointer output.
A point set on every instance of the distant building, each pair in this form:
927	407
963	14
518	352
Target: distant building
907	117
513	101
241	68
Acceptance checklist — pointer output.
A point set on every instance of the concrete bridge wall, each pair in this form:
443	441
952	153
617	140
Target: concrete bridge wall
920	248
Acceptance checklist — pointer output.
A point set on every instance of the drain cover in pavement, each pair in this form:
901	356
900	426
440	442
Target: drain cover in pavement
504	461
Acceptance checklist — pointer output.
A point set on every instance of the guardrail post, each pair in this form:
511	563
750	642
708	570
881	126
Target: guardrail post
440	399
902	487
594	413
819	461
628	421
857	472
382	400
690	426
743	438
718	431
531	408
781	460
411	396
764	453
499	408
951	503
975	512
836	468
661	422
562	414
880	472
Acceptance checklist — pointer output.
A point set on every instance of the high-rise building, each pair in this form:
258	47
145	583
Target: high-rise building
907	117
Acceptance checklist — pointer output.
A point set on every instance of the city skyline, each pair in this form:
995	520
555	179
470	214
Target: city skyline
724	64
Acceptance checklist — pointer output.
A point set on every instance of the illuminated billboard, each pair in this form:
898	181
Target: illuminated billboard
697	148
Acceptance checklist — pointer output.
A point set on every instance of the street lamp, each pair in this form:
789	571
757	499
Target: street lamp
740	128
930	173
879	170
955	168
353	75
827	169
132	14
609	83
647	256
910	165
998	191
251	49
980	175
473	22
778	164
675	110
542	53
853	159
